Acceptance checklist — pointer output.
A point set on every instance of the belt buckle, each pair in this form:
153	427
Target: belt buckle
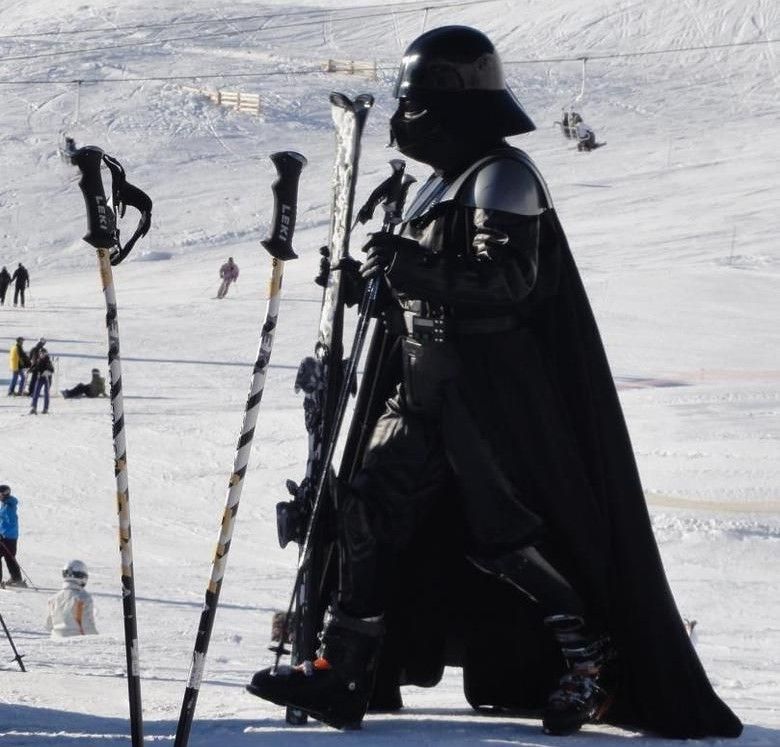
429	329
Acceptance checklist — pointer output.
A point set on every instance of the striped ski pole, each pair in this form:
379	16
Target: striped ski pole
104	236
288	166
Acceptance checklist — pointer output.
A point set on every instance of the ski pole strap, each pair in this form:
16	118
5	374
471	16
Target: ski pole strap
102	230
125	194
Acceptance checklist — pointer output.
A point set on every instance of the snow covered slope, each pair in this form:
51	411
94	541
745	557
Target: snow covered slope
674	225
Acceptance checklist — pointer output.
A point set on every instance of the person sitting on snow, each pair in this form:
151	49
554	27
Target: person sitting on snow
95	388
70	609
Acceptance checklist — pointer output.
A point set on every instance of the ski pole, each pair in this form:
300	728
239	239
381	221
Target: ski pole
394	190
288	166
103	234
17	655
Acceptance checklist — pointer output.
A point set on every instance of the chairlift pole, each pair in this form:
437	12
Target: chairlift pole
78	102
582	87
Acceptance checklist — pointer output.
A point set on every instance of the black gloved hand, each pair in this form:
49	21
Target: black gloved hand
322	276
380	250
351	282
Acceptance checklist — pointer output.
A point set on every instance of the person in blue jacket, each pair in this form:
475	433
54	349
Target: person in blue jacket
9	535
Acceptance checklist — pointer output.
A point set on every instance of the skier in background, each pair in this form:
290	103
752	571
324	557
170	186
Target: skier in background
5	281
95	388
71	611
34	353
229	274
42	371
586	138
21	280
18	362
499	474
9	536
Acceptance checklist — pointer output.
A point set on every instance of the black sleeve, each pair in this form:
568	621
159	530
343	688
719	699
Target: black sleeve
497	267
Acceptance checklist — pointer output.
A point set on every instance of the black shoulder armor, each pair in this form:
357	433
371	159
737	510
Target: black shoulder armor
507	180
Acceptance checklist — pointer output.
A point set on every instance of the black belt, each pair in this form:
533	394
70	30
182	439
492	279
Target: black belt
446	328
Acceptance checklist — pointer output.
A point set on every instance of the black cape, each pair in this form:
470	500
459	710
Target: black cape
546	402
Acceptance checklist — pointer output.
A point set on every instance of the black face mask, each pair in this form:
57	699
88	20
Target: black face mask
419	133
433	135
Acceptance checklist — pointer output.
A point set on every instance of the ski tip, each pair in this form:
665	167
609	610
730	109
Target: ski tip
363	101
340	99
288	155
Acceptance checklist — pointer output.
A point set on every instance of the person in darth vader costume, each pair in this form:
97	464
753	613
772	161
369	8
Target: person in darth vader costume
492	516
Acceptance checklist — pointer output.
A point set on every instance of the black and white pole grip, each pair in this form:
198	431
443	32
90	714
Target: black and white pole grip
289	165
101	220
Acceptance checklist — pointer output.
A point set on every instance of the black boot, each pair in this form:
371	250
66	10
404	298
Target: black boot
334	688
584	692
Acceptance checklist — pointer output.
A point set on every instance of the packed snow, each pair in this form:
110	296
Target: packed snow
674	225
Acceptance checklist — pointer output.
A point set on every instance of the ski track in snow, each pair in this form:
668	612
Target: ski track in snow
674	227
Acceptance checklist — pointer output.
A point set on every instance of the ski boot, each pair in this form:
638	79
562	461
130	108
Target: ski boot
18	583
334	688
386	699
582	695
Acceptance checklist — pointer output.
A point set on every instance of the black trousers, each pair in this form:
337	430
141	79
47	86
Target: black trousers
424	441
8	551
80	390
18	292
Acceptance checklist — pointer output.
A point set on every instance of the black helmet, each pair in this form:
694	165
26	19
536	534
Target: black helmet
457	68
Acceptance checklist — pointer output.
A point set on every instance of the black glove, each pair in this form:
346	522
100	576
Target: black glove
380	250
352	283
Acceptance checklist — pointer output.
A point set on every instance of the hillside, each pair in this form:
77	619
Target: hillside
674	226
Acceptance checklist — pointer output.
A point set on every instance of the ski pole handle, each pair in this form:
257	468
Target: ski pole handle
289	165
101	221
394	205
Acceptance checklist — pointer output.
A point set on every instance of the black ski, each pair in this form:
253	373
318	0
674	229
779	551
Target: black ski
320	378
315	567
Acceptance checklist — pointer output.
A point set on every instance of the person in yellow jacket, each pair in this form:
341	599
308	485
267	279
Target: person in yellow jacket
18	362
